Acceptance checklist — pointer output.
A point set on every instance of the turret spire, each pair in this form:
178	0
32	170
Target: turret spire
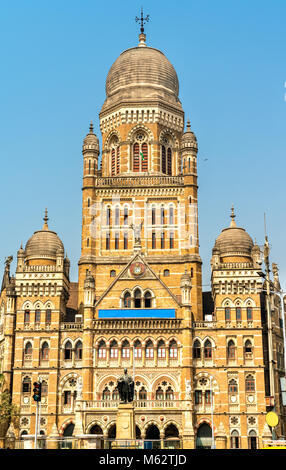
232	215
46	218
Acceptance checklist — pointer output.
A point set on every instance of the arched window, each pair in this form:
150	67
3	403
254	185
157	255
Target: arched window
173	348
171	215
149	350
169	164
125	241
45	351
44	389
166	272
161	350
249	313
142	393
137	350
136	161
144	157
227	313
238	313
27	316
231	350
78	351
163	161
162	216
108	216
169	394
68	351
115	394
28	351
252	440
137	298
197	350
115	160
125	350
147	300
207	349
159	394
234	440
26	385
117	214
102	350
125	216
37	316
107	241
113	350
127	300
248	350
113	273
232	386
106	394
249	383
153	215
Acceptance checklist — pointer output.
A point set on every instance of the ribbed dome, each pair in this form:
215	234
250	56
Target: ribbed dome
233	241
91	140
44	244
142	73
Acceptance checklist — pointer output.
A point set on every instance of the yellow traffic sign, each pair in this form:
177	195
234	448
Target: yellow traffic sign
272	419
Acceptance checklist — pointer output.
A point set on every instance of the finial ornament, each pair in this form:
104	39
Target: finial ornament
232	215
142	20
188	125
91	128
46	218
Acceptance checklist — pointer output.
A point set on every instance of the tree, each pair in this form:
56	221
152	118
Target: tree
9	413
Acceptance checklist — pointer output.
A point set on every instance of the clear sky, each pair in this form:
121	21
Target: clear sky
230	59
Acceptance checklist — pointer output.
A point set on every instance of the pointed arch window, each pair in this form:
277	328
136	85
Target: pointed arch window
161	350
45	351
26	385
140	154
232	386
149	350
231	350
102	350
106	394
113	350
125	350
137	350
169	162
208	349
78	351
159	394
68	351
249	383
163	160
115	159
137	298
173	350
197	350
169	394
28	351
143	394
127	300
147	300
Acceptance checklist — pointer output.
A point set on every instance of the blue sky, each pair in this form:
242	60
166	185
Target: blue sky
230	59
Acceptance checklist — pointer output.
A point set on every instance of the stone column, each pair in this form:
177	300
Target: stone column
221	439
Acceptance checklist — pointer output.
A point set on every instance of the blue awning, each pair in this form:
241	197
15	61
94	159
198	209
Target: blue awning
137	313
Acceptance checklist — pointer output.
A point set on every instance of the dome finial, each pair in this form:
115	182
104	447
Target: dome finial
91	127
188	125
142	20
46	218
232	215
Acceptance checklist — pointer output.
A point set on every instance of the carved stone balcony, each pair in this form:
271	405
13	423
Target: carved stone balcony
137	181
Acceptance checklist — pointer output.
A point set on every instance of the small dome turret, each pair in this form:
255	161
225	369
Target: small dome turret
233	243
90	142
189	140
43	245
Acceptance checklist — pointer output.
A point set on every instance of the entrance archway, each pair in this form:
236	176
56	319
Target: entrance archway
152	439
68	430
138	432
96	430
171	440
204	437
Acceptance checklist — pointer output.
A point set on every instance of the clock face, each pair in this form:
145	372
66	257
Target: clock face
137	269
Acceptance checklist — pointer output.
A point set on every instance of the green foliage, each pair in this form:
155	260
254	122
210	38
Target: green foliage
9	413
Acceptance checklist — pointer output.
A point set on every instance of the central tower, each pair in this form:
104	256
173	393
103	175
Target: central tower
147	179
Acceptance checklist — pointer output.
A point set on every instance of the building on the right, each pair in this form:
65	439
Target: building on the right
243	324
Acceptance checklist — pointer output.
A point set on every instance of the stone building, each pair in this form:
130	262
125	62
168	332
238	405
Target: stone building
201	361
